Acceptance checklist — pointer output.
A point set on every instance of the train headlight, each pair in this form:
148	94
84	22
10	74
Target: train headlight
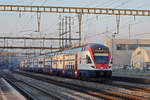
109	67
93	66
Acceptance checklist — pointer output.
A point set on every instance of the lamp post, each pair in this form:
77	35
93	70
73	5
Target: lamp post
112	48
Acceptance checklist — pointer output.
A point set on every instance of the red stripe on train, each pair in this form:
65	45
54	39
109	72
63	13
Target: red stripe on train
76	65
63	72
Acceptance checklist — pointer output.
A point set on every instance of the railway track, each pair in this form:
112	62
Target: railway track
128	87
131	80
100	95
131	87
106	94
32	94
123	84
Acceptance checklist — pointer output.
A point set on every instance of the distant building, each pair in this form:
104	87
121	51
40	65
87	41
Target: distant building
140	58
122	49
9	61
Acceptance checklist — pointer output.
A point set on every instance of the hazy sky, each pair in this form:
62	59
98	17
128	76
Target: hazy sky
11	24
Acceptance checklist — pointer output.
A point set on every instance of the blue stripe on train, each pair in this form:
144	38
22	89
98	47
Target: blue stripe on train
89	73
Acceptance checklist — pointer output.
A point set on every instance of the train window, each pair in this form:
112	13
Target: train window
60	61
40	62
80	60
88	60
83	49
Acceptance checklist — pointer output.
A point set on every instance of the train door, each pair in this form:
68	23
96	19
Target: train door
51	64
44	68
76	65
56	65
37	63
63	71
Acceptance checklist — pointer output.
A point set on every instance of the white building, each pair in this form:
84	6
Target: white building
122	49
140	58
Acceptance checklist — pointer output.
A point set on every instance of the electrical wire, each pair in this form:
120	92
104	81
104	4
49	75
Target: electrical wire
123	3
32	2
106	3
32	15
44	2
112	2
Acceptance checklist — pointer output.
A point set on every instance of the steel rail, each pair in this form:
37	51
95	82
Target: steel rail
14	82
97	92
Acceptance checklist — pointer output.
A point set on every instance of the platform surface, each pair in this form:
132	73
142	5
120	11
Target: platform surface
7	92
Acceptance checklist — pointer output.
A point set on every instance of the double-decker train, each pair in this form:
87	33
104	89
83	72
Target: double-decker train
88	61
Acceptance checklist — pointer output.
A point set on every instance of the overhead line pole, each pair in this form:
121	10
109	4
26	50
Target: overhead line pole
62	33
79	21
39	21
69	30
66	31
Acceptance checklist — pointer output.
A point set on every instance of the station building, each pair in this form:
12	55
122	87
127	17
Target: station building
140	58
122	49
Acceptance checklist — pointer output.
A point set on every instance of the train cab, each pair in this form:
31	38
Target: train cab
101	58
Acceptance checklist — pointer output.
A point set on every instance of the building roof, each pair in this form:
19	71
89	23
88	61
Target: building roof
145	48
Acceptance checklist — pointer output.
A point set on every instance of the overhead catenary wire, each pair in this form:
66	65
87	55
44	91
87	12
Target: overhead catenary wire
110	1
32	15
106	3
121	5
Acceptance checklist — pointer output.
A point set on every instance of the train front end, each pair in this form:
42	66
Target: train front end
101	58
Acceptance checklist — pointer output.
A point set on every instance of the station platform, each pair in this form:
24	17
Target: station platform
132	75
7	92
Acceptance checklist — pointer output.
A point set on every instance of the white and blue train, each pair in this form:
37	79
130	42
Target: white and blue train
88	61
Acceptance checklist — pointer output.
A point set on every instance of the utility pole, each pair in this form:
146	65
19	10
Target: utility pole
40	44
129	31
118	23
43	42
79	22
69	30
66	31
38	20
112	48
62	33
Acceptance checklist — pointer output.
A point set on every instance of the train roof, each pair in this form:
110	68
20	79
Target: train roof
75	49
96	44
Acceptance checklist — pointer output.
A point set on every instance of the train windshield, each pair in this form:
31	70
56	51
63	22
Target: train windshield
101	55
101	59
